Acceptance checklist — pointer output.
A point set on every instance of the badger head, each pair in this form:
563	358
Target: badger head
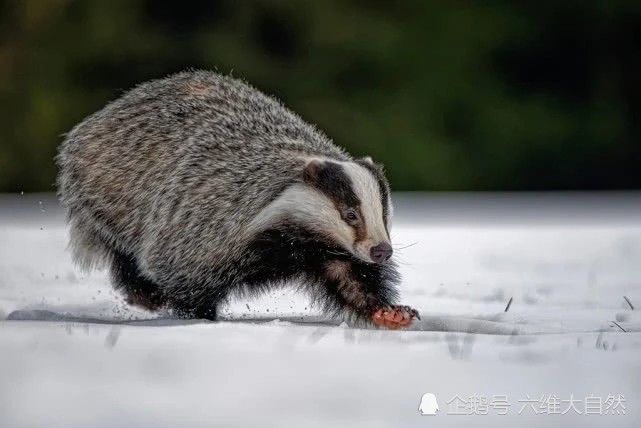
345	204
351	206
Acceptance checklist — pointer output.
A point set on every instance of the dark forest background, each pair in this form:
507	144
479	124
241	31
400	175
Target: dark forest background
450	95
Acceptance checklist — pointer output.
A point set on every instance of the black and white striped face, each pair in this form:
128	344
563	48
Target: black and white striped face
356	205
346	204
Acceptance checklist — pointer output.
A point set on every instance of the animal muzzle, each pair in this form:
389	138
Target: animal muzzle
381	252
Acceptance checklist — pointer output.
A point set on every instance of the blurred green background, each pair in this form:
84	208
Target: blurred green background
450	95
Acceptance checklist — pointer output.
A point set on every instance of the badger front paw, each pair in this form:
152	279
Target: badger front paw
394	317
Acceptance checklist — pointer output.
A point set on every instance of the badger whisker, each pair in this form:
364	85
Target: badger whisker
337	253
401	261
402	247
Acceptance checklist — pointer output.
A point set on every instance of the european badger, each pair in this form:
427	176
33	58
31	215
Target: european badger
197	186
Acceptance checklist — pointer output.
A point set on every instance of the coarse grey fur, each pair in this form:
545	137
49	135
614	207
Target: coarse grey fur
164	184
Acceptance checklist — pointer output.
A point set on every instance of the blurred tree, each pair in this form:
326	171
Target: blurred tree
454	95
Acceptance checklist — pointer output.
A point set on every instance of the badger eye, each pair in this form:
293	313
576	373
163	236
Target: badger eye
351	216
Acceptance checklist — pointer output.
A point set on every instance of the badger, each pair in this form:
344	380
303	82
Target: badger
197	187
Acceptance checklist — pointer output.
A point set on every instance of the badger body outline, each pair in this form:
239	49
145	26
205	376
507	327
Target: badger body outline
196	187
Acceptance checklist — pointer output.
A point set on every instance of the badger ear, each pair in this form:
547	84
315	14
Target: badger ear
369	163
368	159
312	170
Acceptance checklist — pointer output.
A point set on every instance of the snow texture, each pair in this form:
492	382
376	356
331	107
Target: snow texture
72	354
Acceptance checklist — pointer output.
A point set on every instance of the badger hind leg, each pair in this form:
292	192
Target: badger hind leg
207	312
92	248
194	300
138	290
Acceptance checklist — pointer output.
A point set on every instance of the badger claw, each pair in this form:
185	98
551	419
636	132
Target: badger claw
394	317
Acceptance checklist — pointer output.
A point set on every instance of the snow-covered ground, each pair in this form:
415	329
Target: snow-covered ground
72	354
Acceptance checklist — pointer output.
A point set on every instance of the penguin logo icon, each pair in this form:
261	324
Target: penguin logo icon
428	405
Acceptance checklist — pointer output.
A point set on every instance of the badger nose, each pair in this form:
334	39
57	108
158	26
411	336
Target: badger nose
381	252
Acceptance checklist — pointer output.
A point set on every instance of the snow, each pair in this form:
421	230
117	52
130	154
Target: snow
72	354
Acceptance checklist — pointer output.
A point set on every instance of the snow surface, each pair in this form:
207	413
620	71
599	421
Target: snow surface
72	354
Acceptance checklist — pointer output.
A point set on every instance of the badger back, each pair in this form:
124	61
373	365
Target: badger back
194	155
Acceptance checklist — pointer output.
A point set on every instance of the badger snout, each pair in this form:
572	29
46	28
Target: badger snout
381	252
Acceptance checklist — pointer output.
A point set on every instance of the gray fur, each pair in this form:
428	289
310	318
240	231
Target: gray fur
174	172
